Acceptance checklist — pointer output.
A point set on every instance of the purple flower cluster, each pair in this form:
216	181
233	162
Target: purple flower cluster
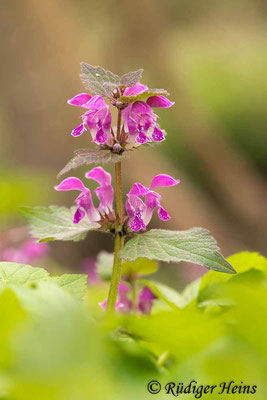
139	121
139	211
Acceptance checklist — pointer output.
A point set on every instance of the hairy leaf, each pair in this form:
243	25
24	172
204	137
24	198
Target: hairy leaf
76	284
193	245
94	79
131	78
21	274
55	223
90	156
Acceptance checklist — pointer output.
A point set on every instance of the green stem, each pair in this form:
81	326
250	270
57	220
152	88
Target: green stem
119	239
116	274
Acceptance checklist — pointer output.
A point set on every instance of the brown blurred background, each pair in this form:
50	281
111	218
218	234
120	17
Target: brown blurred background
209	54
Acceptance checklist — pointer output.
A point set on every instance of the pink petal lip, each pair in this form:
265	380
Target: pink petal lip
99	175
135	90
79	99
71	183
163	180
139	190
159	101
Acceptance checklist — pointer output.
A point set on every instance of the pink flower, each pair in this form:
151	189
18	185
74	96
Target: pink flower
84	202
139	119
97	118
145	300
122	303
140	212
28	252
125	305
89	267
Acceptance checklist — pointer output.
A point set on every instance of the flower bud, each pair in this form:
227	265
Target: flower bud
116	93
116	148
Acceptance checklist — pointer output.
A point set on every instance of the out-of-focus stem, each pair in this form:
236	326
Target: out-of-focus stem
116	274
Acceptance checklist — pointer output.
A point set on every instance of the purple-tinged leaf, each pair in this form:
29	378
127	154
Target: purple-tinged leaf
131	78
91	156
95	79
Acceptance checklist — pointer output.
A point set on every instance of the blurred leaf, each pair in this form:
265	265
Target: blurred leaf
11	315
131	78
181	332
165	293
91	156
141	266
21	274
55	223
94	79
26	276
191	291
193	245
105	265
76	284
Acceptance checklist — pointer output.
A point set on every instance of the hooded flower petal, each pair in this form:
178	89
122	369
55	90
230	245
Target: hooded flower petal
80	100
132	91
99	175
163	180
71	184
105	191
139	190
159	101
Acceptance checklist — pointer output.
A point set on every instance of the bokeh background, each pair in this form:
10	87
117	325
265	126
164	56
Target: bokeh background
209	54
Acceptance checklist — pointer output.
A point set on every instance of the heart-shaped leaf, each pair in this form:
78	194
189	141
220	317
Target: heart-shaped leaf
95	79
193	245
55	223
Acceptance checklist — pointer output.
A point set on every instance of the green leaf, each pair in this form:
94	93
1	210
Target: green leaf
141	266
91	156
241	262
76	284
95	78
193	245
168	295
21	274
191	291
105	265
131	78
144	96
55	223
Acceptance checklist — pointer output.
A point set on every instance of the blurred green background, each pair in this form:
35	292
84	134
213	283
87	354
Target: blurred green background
209	54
